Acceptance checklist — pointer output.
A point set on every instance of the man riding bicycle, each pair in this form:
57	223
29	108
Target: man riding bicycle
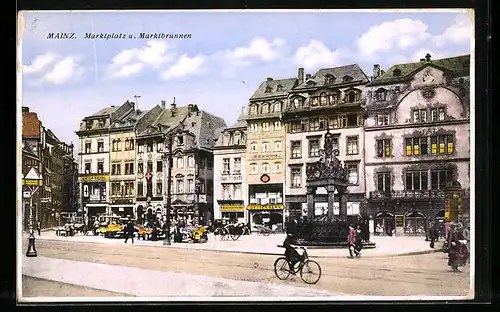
291	254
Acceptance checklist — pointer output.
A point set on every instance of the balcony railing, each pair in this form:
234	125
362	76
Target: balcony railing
425	194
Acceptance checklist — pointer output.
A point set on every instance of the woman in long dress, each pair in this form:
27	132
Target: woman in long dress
458	253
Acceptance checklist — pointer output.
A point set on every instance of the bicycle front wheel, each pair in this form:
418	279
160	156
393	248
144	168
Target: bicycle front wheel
281	268
310	272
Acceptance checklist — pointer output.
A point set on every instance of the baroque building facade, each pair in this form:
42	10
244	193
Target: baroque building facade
333	99
417	141
265	155
194	133
230	189
122	160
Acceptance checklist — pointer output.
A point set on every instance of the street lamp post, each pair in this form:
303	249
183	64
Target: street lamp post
168	177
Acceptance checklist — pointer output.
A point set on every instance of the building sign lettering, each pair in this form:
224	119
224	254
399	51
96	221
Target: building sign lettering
95	178
232	177
265	207
265	156
400	221
31	182
232	208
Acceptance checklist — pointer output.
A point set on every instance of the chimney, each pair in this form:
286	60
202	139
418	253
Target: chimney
300	75
422	60
269	79
133	105
25	109
428	57
163	104
308	76
376	71
173	108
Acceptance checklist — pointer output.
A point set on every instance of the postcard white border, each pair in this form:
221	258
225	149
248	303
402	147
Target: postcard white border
19	237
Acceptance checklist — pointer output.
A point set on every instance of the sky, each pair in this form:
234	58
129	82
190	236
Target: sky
227	56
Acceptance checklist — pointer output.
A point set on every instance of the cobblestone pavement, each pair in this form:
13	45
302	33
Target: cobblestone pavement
414	275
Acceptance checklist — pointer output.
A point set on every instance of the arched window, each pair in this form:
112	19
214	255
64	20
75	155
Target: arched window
296	103
351	97
265	168
268	89
381	94
265	108
315	101
279	88
333	99
252	109
277	107
323	99
329	79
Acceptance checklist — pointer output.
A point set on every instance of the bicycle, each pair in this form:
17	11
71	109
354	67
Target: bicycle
305	267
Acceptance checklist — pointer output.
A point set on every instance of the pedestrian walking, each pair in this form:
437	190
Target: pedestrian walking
129	231
351	241
457	252
433	234
39	227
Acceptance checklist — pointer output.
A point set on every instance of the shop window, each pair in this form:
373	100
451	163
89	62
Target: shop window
384	148
313	147
384	182
352	145
296	149
296	177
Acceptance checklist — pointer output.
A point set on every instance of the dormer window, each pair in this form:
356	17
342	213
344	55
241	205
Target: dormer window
265	108
296	103
381	94
333	99
329	79
310	83
347	78
101	123
88	124
396	72
279	88
252	109
268	89
277	107
180	140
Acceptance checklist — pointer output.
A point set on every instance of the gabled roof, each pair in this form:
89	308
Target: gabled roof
319	79
286	85
459	65
27	149
206	128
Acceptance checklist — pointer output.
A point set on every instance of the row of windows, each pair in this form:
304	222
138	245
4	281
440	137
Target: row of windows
318	124
439	144
324	99
265	126
116	145
122	188
352	147
296	178
100	147
231	192
421	115
265	108
266	147
180	187
266	168
99	123
416	180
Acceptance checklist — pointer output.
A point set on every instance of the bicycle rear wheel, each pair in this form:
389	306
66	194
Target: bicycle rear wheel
310	272
281	268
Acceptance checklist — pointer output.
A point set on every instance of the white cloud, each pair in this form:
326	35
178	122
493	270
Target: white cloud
131	61
129	70
183	67
316	55
400	33
259	48
63	71
39	63
458	32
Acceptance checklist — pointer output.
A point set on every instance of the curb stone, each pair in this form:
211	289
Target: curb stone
411	253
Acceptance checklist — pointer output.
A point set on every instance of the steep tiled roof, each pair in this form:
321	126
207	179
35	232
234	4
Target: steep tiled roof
206	127
29	150
31	125
353	71
458	64
105	111
286	85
